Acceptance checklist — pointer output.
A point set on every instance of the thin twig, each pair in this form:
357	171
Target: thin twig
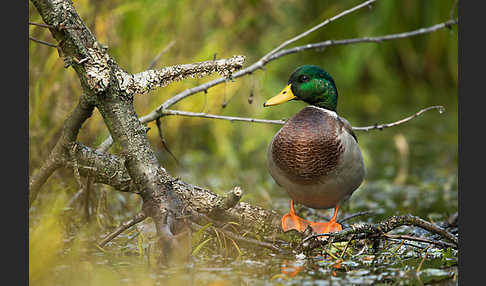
213	116
256	120
124	226
385	226
43	42
355	215
161	136
401	121
157	57
453	9
315	28
420	239
379	39
41	25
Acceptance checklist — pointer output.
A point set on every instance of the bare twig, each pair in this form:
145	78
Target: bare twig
256	120
453	9
213	116
354	215
315	28
157	57
387	125
379	39
161	136
124	226
108	141
40	25
420	239
42	42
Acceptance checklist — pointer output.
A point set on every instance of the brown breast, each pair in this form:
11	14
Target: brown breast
306	147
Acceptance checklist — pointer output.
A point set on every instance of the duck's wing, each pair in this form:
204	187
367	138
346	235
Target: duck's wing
345	124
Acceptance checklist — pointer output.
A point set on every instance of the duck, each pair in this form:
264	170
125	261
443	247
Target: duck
315	156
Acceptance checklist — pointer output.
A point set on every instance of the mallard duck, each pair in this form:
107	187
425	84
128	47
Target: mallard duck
315	156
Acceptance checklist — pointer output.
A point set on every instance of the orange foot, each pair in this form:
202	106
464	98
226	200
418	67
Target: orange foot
330	226
292	221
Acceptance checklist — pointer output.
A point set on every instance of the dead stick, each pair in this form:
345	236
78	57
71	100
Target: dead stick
420	239
124	226
383	227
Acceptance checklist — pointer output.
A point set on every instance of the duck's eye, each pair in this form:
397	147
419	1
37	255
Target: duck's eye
304	78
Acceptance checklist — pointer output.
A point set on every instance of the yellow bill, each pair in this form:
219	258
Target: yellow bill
284	96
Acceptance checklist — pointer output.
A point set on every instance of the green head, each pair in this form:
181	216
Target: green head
311	84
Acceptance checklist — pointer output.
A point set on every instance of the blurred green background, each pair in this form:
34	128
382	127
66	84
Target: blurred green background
411	168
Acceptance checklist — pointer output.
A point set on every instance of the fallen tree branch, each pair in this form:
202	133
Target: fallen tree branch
110	169
380	229
139	217
136	170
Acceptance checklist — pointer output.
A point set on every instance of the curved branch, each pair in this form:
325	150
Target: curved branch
401	121
58	155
